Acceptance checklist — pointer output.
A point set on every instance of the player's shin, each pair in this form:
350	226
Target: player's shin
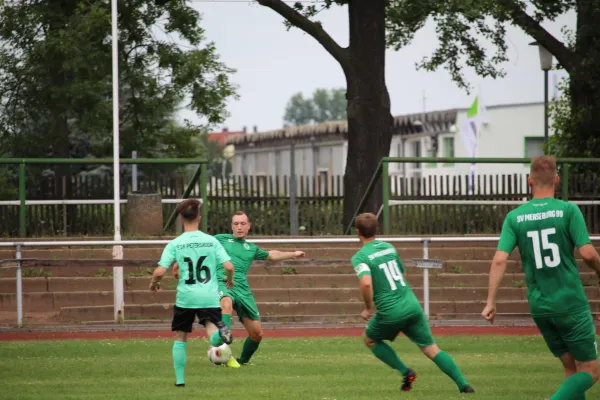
179	358
449	367
227	320
574	387
387	355
250	347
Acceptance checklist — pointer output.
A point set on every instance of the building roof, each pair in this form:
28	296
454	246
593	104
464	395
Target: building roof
427	123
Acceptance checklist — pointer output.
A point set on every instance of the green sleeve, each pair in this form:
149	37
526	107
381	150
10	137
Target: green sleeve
577	228
360	267
168	256
508	237
260	254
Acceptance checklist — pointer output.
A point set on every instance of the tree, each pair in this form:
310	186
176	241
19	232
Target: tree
56	77
325	105
370	121
457	23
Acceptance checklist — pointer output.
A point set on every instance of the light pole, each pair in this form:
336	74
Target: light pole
546	65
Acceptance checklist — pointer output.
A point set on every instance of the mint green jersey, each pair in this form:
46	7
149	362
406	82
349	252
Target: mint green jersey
391	293
547	231
197	255
242	255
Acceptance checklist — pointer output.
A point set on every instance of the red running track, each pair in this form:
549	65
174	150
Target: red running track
272	333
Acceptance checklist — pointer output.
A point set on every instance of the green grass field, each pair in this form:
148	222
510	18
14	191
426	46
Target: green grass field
499	367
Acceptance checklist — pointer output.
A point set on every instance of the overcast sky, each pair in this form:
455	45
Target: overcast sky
272	64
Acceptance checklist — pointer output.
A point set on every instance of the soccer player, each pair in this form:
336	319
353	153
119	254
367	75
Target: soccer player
391	306
546	230
240	298
197	255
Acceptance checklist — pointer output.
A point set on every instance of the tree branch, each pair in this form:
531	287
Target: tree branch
565	56
314	29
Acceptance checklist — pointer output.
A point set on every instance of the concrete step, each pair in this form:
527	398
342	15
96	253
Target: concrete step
327	252
43	301
165	311
413	277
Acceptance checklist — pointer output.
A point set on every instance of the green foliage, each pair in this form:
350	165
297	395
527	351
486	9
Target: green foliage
324	105
56	86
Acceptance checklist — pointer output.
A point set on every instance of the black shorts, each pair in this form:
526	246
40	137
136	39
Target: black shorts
183	318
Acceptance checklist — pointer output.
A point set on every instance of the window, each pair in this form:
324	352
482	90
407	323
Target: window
534	146
448	149
416	150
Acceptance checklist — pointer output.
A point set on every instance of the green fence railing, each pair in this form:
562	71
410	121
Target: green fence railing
382	171
201	173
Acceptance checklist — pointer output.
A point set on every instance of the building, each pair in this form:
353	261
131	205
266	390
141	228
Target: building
511	131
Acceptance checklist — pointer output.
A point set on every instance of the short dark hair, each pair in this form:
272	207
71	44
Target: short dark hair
543	171
240	212
366	224
189	209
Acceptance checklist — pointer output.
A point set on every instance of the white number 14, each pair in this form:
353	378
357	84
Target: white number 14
392	273
550	262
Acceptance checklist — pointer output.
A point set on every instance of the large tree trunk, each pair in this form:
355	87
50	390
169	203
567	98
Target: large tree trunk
585	85
370	123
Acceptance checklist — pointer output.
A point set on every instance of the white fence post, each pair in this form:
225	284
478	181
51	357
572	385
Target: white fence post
426	279
19	288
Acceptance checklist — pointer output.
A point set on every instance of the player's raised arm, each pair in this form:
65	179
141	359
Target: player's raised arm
508	241
276	255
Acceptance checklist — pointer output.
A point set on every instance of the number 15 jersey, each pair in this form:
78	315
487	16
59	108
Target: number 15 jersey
547	231
392	295
197	255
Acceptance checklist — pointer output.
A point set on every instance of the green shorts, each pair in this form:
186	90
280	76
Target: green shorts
243	304
574	333
414	326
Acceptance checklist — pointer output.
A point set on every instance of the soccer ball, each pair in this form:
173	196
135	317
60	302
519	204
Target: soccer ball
219	355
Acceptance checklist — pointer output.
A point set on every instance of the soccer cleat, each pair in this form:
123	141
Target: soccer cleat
409	377
233	363
180	385
224	332
467	389
240	362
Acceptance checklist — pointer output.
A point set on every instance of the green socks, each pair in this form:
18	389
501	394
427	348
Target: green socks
179	361
386	354
227	319
215	339
248	350
449	367
574	387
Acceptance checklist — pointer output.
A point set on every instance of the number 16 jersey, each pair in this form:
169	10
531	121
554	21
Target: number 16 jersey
197	255
392	295
546	231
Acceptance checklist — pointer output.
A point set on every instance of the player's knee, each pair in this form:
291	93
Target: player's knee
226	305
431	351
591	368
368	341
256	335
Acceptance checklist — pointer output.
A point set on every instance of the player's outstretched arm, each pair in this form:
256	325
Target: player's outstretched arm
228	273
276	255
497	271
591	257
158	274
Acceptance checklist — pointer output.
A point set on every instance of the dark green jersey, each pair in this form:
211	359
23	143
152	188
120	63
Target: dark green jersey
242	255
547	231
391	293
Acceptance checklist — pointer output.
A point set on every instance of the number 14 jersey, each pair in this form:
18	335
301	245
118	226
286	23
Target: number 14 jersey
197	255
547	231
391	293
